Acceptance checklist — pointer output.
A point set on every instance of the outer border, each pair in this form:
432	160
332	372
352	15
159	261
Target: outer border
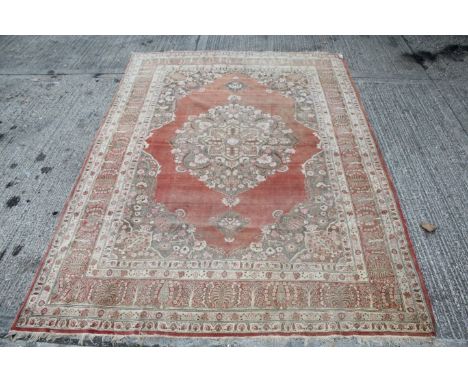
54	334
395	196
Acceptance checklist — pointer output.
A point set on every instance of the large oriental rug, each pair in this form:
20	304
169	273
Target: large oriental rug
231	194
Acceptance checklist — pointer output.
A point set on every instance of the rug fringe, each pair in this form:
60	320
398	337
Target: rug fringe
81	339
140	340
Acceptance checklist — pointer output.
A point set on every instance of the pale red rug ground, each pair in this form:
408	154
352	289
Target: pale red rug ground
231	194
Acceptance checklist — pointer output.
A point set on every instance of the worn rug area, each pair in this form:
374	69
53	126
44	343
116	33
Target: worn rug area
231	194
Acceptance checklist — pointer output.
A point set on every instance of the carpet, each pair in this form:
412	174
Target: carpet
230	194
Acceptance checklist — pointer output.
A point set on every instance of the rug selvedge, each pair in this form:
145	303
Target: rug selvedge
231	194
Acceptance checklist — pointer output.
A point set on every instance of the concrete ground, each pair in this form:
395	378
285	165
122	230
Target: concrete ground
54	91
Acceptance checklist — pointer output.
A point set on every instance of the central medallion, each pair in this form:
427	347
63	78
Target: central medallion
231	156
232	148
